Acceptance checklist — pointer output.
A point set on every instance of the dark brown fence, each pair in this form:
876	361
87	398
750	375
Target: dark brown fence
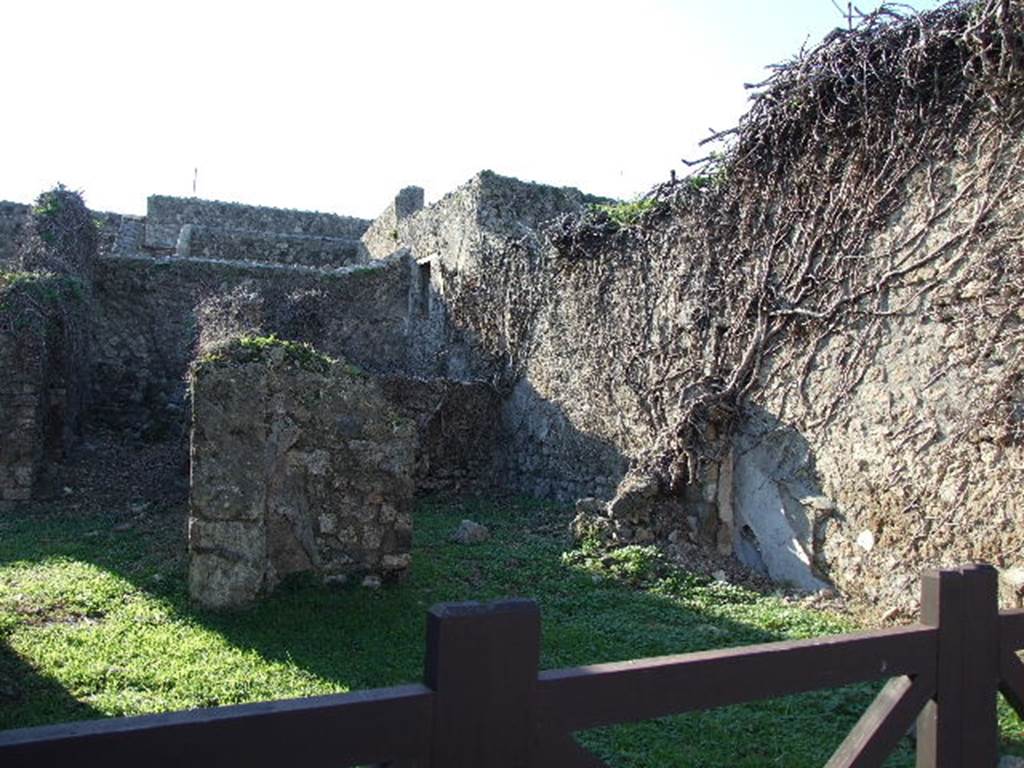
484	705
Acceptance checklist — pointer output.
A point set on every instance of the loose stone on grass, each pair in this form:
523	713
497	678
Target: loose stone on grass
470	532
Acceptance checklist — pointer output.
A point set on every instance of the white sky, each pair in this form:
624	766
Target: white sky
336	105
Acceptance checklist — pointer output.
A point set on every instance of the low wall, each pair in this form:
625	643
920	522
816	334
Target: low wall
197	241
165	216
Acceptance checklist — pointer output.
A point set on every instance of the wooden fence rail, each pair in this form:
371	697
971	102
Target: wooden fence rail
484	704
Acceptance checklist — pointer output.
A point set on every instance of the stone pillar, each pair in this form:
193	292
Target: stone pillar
299	463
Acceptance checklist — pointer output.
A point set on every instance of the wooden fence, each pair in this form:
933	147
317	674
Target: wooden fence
484	705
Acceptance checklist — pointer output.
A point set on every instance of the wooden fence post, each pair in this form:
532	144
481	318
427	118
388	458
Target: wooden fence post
482	662
938	726
957	728
981	666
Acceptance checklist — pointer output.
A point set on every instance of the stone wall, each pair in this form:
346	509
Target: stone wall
562	429
297	266
861	481
382	237
456	439
147	326
13	218
298	464
201	242
896	445
117	234
42	327
45	330
24	396
165	216
919	461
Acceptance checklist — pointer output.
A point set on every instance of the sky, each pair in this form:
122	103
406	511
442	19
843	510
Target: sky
336	105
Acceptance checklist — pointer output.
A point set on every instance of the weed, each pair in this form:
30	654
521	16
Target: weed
625	214
249	348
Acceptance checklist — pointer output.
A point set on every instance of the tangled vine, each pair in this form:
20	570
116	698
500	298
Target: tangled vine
775	231
61	236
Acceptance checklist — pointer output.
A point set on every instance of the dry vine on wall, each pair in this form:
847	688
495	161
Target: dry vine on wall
775	235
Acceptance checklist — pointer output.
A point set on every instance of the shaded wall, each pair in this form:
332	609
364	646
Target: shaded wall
43	323
147	327
492	308
456	439
200	242
13	218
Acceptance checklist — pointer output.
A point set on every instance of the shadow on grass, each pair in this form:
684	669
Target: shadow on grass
358	637
354	638
29	697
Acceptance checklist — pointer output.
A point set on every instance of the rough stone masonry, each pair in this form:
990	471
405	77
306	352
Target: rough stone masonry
299	463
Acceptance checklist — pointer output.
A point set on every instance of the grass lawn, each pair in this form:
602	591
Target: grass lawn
95	621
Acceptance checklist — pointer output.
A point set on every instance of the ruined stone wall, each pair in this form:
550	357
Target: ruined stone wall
456	439
146	299
13	218
42	327
298	464
165	216
919	456
45	332
382	237
490	309
153	308
873	441
24	396
860	475
147	328
110	230
200	242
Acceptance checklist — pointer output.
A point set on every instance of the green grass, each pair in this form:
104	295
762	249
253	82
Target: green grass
96	621
626	214
248	348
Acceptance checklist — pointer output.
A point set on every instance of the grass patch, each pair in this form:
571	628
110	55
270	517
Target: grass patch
248	348
95	621
626	214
